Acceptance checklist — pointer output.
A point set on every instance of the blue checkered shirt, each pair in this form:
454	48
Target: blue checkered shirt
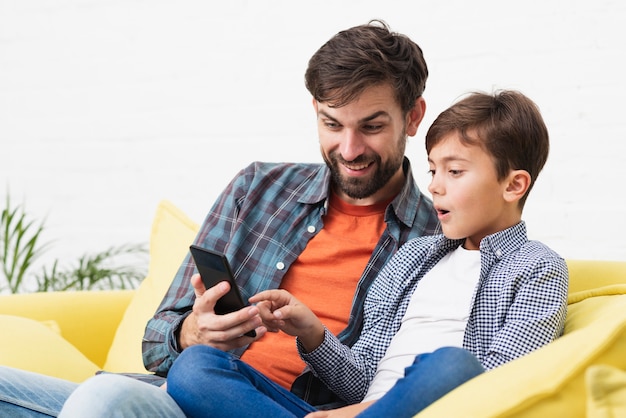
519	304
262	221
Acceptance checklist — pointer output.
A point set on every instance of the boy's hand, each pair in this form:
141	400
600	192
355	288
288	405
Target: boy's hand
345	412
279	310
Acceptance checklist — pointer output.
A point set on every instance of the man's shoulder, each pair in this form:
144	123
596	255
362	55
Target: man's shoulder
307	182
264	168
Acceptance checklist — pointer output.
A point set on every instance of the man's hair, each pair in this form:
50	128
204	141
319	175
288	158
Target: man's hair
364	56
507	124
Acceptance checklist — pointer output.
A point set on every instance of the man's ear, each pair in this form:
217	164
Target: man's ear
315	105
518	182
415	116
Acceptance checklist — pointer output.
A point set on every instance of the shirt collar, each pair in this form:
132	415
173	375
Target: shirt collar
506	241
318	186
404	205
496	245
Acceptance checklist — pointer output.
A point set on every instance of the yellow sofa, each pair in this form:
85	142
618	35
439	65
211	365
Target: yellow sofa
73	334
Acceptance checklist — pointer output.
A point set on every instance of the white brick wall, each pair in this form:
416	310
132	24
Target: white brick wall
106	107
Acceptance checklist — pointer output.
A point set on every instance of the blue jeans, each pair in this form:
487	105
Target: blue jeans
31	395
206	382
430	377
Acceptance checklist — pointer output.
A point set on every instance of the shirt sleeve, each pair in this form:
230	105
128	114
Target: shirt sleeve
348	371
537	314
159	344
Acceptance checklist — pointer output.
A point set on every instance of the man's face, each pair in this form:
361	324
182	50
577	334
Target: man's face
363	144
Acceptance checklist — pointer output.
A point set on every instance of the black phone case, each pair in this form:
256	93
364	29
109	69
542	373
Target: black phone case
214	268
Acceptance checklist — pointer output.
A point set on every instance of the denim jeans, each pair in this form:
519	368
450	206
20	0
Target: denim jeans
117	396
206	382
30	395
430	377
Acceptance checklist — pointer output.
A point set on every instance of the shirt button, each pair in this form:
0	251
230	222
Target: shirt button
498	253
311	229
280	265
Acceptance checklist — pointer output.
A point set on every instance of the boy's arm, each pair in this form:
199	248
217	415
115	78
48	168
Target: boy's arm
537	315
348	371
344	412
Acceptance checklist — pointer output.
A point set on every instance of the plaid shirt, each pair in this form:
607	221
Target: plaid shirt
262	222
519	304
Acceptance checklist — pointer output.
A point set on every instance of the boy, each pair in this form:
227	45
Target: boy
475	297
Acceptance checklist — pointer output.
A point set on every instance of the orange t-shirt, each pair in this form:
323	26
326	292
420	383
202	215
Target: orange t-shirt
324	278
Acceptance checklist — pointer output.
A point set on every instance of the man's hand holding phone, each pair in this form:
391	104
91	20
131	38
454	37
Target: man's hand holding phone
225	332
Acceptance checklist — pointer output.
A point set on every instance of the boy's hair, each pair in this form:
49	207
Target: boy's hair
507	124
364	56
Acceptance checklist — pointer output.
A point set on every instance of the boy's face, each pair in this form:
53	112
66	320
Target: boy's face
466	192
363	143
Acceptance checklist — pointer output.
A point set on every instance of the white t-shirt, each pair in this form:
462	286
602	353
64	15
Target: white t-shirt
436	317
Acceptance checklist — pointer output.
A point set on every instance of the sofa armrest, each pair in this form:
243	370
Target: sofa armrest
86	319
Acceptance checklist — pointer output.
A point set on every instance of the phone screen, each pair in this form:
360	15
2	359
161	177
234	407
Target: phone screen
214	268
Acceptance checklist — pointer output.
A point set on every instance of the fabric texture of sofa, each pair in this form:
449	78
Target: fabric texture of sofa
72	335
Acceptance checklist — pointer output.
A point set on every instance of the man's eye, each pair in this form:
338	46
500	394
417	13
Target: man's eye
431	172
455	172
372	128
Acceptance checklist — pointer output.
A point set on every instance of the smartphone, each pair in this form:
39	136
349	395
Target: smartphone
214	268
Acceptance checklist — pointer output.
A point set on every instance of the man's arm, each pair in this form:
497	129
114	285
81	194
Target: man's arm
244	224
160	345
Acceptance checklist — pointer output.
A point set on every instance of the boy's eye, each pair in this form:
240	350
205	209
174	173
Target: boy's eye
455	172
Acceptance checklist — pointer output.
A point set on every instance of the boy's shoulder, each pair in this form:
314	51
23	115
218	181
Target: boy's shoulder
537	250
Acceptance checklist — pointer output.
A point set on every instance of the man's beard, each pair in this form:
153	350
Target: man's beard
360	188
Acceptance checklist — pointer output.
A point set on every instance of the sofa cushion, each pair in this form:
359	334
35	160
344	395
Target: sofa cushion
593	274
47	352
172	233
87	319
550	381
606	392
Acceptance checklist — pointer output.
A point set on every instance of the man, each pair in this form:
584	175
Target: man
322	232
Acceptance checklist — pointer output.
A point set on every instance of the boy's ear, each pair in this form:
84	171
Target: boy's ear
517	185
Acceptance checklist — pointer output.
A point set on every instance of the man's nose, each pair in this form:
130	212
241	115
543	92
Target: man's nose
352	145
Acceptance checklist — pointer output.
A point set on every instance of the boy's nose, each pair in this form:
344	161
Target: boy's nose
435	186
